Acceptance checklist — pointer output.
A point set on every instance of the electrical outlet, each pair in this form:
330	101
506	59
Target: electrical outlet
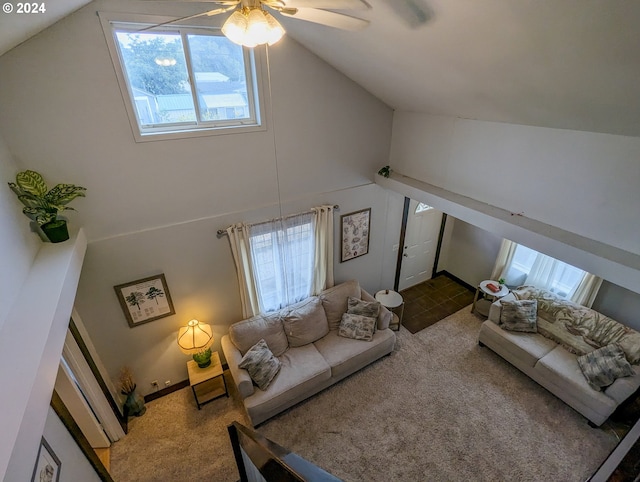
167	383
154	384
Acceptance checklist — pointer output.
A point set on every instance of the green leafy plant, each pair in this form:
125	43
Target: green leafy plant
385	171
41	204
501	281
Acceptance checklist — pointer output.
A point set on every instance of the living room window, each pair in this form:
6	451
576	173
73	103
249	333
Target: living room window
183	81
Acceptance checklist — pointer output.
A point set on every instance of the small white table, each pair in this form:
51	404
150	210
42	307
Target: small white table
392	300
207	383
487	293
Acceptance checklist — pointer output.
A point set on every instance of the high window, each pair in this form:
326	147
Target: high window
181	80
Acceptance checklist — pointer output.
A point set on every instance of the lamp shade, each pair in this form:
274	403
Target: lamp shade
252	26
195	338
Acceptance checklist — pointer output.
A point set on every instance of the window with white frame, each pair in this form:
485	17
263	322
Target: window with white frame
183	80
528	267
283	253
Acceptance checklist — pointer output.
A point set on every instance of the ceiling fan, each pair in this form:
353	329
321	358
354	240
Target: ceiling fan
250	24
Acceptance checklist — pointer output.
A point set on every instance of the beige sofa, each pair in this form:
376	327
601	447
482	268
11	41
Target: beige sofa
306	367
551	360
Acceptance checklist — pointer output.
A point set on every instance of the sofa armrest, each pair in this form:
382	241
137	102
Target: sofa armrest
240	375
496	308
384	318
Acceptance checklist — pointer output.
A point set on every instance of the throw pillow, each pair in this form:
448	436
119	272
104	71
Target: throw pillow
370	309
603	366
357	327
305	322
520	315
261	364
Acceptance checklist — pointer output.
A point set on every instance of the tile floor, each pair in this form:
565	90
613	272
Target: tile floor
433	300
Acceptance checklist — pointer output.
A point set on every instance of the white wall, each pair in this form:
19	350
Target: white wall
154	207
585	183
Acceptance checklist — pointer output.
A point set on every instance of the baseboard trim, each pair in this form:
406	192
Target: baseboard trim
172	388
456	279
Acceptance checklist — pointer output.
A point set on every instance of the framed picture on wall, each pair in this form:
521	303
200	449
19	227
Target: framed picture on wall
47	467
355	234
145	300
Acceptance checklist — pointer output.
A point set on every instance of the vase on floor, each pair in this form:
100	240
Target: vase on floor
134	404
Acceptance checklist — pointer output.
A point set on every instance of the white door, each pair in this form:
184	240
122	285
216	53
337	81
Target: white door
420	242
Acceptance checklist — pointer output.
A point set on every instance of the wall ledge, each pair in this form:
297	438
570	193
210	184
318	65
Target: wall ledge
610	262
31	343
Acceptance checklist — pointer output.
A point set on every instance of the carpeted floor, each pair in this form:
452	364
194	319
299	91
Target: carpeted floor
438	408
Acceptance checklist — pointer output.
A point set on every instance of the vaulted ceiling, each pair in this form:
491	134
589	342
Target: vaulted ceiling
570	64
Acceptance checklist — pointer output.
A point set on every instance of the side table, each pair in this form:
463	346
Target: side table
207	383
393	301
487	293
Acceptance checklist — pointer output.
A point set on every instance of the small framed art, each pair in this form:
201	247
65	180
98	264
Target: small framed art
47	468
355	234
145	300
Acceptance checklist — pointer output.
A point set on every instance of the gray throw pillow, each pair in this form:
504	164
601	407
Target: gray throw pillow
261	364
357	327
520	315
371	309
603	366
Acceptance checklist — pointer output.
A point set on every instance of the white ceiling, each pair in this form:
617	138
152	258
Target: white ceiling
572	64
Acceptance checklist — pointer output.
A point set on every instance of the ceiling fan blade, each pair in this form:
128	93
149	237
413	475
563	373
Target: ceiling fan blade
208	13
329	4
331	19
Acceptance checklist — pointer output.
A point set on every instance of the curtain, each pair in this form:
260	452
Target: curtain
323	264
283	260
241	251
587	290
503	260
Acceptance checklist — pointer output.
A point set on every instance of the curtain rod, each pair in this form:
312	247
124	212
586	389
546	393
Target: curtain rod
223	232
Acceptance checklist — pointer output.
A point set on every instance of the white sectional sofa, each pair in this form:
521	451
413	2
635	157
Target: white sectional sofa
305	368
551	360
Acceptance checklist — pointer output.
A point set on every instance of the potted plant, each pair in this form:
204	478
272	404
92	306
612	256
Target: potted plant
134	403
43	205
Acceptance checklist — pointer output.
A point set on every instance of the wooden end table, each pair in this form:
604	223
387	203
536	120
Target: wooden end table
207	383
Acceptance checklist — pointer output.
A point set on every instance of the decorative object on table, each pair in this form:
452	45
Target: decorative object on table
47	468
385	171
145	300
43	205
502	281
134	403
355	234
196	339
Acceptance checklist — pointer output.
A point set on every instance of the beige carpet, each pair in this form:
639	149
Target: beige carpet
438	408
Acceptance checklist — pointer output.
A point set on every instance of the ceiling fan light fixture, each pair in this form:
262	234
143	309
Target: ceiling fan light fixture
253	26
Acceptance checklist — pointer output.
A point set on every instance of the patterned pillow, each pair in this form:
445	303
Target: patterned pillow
520	315
603	366
357	327
261	364
370	309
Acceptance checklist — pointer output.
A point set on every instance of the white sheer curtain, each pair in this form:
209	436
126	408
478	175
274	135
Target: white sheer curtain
241	250
520	265
323	233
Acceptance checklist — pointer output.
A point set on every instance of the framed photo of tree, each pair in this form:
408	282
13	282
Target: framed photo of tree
145	300
355	234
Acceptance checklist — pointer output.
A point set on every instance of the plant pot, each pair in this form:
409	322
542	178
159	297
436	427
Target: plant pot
56	230
134	404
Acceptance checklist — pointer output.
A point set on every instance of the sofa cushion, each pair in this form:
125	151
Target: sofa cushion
305	322
357	327
519	315
603	366
345	355
261	364
624	387
334	301
578	328
302	369
528	348
244	334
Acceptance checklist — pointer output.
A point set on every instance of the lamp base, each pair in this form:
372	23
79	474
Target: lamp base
203	359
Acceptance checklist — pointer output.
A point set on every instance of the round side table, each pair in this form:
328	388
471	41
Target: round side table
487	293
393	301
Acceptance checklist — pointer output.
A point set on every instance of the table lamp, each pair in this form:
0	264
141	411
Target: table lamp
196	339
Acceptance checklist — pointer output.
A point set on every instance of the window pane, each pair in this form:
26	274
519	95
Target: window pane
220	78
156	69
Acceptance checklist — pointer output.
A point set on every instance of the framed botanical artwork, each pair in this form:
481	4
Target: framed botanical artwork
355	234
145	300
47	468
